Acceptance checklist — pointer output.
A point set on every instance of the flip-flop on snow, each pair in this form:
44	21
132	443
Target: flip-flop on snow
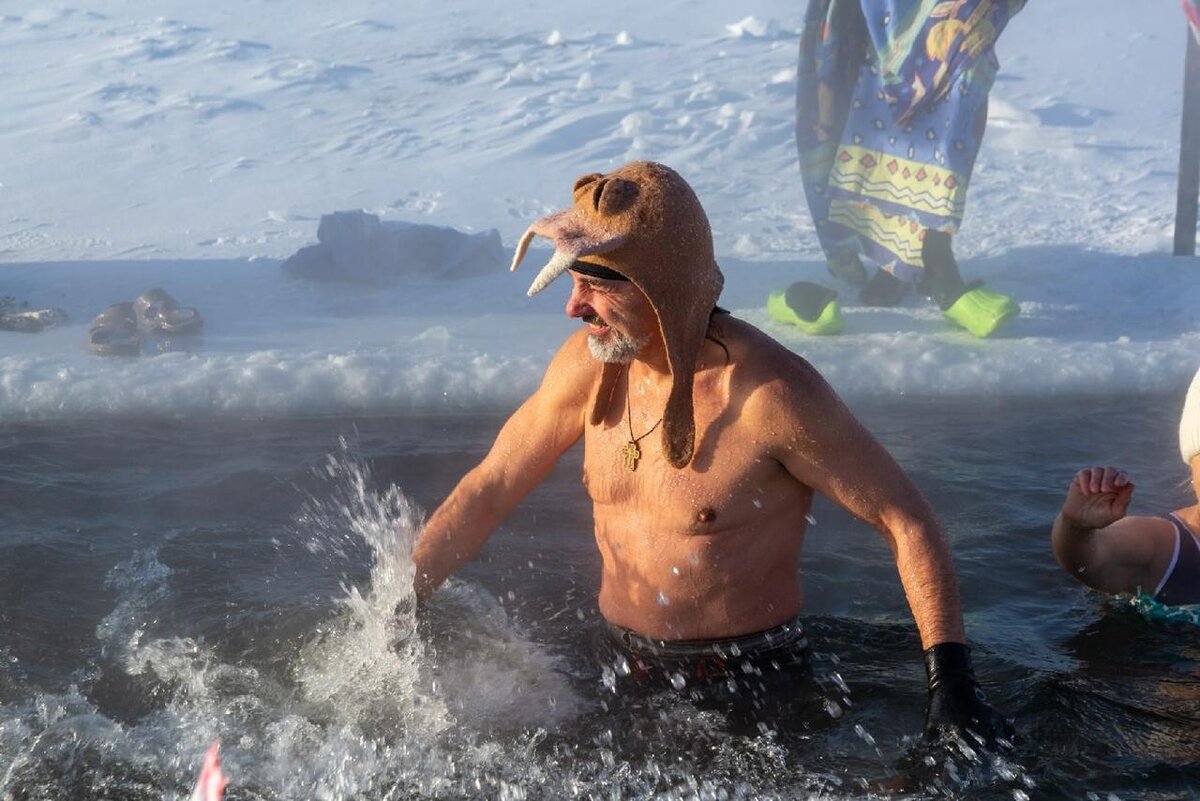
16	315
30	321
114	332
810	307
981	311
158	311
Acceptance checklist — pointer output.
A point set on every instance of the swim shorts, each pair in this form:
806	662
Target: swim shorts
680	663
755	684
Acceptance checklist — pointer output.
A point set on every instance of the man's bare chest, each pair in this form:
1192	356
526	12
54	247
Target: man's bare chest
724	485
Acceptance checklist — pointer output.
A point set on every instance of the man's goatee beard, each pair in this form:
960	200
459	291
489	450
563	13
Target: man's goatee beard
617	348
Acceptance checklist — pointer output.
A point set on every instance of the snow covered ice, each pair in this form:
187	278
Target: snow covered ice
196	146
356	246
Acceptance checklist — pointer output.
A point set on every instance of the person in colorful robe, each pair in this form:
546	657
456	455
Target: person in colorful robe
891	107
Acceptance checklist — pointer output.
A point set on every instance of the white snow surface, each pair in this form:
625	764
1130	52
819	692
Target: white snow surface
196	145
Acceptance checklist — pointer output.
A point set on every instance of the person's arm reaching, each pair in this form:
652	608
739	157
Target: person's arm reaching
829	450
526	449
1099	545
826	448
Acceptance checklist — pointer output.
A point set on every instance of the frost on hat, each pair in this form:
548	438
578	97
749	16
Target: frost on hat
1189	422
645	222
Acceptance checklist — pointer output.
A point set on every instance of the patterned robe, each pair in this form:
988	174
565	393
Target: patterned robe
891	105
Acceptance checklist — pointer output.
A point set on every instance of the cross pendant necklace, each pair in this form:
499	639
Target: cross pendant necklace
631	453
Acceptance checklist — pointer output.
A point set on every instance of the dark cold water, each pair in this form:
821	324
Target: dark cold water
166	583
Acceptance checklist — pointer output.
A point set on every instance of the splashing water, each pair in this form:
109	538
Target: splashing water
378	702
363	668
364	711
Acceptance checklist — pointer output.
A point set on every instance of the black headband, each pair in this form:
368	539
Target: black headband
596	271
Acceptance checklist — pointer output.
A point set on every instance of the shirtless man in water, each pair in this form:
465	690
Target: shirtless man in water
704	441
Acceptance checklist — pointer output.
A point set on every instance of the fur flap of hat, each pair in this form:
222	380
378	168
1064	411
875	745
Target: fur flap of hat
1189	422
644	221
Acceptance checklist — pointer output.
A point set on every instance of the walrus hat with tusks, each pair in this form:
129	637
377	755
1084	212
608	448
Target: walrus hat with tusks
644	222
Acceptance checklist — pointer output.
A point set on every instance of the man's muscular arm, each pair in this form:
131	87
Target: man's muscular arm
525	450
824	446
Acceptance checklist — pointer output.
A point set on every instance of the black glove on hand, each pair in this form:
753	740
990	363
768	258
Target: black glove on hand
956	702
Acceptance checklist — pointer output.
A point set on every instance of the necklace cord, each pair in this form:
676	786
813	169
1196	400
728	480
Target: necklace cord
629	414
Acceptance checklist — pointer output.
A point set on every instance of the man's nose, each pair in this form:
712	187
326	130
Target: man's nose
576	307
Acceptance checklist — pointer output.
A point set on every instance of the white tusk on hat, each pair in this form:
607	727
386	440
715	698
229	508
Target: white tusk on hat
522	246
557	265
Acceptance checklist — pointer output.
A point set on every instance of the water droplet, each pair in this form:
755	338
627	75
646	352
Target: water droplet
757	503
663	600
675	570
832	709
864	734
812	521
678	681
579	614
693	559
733	649
623	666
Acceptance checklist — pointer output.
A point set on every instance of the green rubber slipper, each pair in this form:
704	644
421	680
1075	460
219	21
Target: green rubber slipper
981	311
810	307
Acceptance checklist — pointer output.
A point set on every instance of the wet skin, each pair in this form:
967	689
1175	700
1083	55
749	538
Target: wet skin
1101	546
710	550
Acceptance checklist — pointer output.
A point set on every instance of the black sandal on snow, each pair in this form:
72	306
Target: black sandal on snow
114	332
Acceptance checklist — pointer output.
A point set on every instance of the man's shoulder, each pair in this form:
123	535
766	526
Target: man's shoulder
572	368
574	344
768	382
759	361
